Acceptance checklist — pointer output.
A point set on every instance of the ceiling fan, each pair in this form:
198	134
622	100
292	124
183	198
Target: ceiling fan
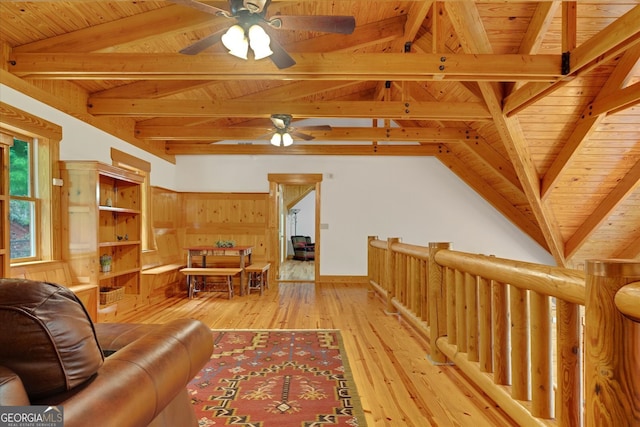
283	132
252	28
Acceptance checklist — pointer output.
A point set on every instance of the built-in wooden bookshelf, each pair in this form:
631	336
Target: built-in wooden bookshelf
102	216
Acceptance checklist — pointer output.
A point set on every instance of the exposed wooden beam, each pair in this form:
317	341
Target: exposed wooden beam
619	36
491	158
416	14
310	66
308	149
73	105
211	133
493	197
626	186
617	101
363	36
233	108
632	250
614	39
166	20
589	121
467	22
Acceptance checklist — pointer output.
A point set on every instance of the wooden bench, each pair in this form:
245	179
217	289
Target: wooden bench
58	272
258	276
193	272
160	276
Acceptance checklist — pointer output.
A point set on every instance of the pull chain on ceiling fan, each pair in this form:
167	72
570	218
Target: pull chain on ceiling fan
252	29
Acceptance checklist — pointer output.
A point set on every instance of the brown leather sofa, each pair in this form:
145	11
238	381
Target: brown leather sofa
102	374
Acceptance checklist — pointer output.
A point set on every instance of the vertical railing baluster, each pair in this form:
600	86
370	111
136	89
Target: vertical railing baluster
569	392
461	311
541	356
450	285
519	310
471	294
500	333
484	316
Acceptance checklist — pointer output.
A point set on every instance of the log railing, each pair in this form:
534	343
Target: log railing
514	328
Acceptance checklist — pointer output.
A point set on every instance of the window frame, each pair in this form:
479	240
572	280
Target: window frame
47	155
32	197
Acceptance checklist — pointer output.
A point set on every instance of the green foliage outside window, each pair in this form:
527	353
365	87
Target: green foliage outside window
21	205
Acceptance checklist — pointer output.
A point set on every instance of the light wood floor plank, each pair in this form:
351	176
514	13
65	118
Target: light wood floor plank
397	383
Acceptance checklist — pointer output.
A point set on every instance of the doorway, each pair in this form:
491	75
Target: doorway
285	192
299	223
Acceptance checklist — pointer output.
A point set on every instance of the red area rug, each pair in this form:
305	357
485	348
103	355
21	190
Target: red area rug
276	378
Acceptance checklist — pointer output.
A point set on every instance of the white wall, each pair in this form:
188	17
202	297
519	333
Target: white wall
415	198
81	141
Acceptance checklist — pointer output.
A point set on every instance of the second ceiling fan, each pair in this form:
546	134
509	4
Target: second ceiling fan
252	28
283	132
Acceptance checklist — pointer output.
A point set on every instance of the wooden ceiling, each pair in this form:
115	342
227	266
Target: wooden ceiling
534	104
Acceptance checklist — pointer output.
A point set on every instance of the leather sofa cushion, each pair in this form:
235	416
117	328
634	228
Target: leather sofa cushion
48	339
12	391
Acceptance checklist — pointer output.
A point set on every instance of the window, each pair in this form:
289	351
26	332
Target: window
23	204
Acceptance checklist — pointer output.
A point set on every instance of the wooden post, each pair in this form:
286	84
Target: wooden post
371	260
569	391
437	301
390	276
612	348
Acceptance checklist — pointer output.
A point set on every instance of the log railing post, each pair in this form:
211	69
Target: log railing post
437	301
390	278
612	348
373	269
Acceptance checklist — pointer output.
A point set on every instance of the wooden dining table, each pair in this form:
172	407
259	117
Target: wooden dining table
243	252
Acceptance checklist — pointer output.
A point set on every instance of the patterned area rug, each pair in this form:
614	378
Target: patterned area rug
277	378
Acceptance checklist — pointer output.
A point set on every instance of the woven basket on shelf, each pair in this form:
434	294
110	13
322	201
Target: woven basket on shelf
111	295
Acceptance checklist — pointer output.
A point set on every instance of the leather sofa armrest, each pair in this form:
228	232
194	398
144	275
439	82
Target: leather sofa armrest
113	336
136	382
12	392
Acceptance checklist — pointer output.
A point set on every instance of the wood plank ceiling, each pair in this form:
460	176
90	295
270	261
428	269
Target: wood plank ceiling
533	103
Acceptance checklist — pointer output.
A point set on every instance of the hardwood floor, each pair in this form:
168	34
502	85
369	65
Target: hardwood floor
294	270
397	384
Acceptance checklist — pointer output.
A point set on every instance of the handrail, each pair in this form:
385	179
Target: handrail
492	317
557	282
627	300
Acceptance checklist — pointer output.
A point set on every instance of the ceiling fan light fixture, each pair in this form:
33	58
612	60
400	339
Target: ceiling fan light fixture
281	139
276	139
287	139
259	41
236	41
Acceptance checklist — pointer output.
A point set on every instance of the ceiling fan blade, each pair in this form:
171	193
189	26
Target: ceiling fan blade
316	128
203	43
280	56
324	24
212	10
301	135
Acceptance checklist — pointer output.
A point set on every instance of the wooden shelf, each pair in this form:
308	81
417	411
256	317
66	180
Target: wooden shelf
103	205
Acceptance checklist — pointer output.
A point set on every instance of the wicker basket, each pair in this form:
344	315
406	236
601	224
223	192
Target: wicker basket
111	295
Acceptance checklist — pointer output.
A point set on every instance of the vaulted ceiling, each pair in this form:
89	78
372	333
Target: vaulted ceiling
534	104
